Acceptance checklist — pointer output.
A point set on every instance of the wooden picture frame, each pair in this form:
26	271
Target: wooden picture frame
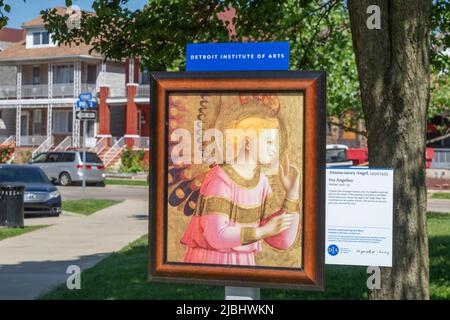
312	87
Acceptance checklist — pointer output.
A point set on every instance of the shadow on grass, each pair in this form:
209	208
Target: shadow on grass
123	275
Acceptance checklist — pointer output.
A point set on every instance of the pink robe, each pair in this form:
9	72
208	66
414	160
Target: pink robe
213	235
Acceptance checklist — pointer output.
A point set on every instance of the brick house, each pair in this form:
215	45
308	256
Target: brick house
40	85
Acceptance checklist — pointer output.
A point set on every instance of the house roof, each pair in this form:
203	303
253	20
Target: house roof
12	35
39	22
19	52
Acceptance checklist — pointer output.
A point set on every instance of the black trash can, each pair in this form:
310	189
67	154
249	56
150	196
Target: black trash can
11	204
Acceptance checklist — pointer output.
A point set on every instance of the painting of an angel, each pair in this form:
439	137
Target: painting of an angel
235	187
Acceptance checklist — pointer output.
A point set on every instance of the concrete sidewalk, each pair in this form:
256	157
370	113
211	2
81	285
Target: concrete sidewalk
438	205
35	262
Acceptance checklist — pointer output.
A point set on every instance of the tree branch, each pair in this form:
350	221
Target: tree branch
445	136
316	31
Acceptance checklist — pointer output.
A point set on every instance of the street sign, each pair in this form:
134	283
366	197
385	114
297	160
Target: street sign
87	96
86	115
83	104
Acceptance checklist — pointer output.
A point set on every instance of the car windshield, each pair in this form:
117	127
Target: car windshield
336	155
91	157
22	174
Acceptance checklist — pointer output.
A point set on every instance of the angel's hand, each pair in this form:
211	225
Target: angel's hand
275	226
290	183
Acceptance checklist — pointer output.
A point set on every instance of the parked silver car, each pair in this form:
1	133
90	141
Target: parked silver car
67	167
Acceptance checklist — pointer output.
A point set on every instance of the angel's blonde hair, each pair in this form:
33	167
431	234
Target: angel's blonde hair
256	124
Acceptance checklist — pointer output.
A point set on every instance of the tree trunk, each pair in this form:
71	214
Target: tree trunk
394	80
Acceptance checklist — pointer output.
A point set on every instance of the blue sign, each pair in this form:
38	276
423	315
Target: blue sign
237	56
85	96
82	104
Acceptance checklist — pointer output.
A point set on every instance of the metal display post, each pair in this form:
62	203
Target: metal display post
85	113
84	157
242	293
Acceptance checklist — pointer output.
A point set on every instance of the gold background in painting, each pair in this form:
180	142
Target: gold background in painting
291	142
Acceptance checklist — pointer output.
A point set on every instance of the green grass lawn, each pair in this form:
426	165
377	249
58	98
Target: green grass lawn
123	275
12	232
87	206
126	182
441	195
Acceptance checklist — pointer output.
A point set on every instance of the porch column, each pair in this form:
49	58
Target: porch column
18	123
49	120
19	82
104	115
19	106
50	80
131	125
130	75
77	78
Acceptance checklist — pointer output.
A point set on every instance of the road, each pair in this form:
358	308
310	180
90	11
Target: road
141	193
111	192
438	205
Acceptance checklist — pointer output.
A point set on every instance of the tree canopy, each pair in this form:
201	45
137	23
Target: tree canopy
318	32
4	10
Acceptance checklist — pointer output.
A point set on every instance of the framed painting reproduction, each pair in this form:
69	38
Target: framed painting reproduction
237	178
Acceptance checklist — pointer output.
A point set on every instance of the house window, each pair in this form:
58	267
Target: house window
145	79
36	38
45	38
37	121
36	75
63	74
91	73
62	121
41	38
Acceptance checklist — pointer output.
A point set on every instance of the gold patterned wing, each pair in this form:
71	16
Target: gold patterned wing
194	113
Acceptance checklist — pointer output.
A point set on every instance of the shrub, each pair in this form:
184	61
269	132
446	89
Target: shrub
26	156
132	160
6	153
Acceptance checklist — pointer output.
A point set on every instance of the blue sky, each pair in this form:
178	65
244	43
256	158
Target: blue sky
24	11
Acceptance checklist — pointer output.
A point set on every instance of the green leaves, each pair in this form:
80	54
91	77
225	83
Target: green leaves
318	32
440	36
132	160
439	95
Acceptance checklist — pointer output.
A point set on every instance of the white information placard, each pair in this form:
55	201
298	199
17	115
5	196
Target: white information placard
359	210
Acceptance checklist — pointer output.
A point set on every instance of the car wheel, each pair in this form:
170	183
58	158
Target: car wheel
100	184
65	179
